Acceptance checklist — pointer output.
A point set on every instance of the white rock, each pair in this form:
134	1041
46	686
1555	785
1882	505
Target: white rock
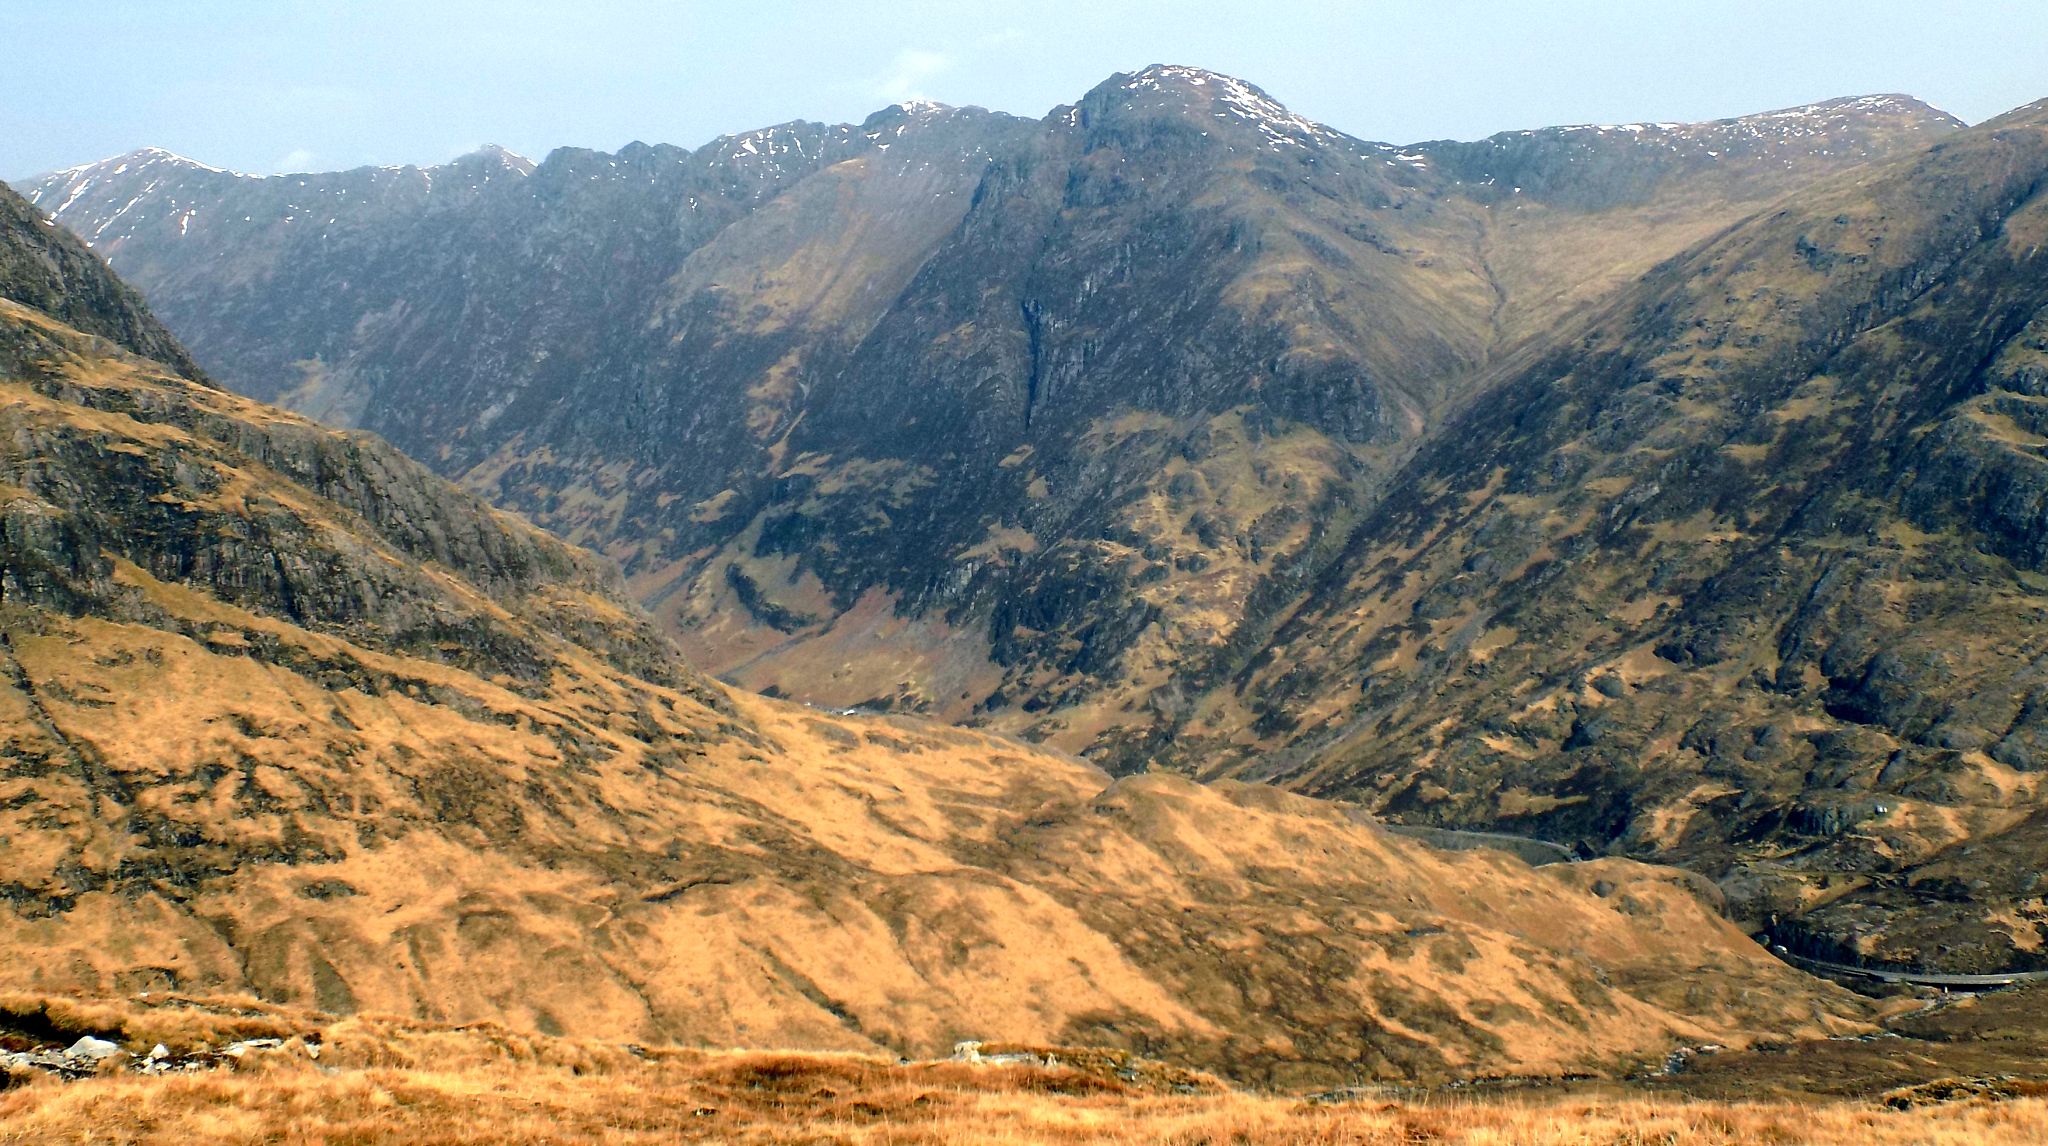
238	1049
88	1047
159	1051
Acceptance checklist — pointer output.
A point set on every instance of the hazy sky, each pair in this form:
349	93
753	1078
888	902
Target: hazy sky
269	85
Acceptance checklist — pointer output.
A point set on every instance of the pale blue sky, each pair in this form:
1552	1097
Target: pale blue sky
266	85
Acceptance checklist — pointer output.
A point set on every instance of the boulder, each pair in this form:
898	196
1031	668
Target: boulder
92	1049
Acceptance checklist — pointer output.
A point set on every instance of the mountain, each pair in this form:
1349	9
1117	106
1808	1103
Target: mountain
870	413
1748	576
43	267
1655	489
284	714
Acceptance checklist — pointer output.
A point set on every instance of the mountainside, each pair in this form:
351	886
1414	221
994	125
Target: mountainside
1657	489
952	412
44	268
1750	576
286	714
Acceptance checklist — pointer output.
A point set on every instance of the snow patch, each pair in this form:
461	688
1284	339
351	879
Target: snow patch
1238	99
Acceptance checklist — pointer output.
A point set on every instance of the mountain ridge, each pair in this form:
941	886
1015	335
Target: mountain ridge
1069	429
1489	284
286	715
44	269
1921	251
1154	77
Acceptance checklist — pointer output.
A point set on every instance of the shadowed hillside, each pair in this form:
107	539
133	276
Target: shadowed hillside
1748	576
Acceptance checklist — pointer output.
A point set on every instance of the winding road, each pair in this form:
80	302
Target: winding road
1911	976
1539	852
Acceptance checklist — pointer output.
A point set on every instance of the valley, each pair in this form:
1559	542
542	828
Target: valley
1660	490
292	717
1163	621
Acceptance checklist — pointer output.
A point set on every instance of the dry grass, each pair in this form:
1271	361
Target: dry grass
180	1025
859	884
607	1096
363	1080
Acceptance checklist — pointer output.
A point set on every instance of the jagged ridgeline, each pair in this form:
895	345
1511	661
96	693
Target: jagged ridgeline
282	712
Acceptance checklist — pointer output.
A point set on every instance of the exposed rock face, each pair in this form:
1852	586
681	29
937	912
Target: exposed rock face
280	712
213	507
1660	489
44	268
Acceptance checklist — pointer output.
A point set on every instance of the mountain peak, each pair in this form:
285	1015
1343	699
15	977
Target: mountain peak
1153	74
1882	103
1197	84
1893	106
1214	95
917	111
491	153
142	157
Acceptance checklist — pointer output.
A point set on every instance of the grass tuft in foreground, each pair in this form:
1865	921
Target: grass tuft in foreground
495	1088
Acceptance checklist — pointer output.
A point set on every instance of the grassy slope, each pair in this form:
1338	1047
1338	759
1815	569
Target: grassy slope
284	715
1750	573
381	1080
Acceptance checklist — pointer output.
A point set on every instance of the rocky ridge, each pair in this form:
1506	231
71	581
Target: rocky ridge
41	267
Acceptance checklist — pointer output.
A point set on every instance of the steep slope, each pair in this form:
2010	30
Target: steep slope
43	268
1749	576
1576	212
283	713
1002	421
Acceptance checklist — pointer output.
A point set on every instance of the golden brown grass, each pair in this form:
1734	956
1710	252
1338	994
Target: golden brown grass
379	1080
180	1025
329	817
604	1095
